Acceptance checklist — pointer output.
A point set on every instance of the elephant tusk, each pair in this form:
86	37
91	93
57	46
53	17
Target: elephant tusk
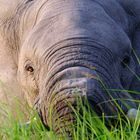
133	114
28	123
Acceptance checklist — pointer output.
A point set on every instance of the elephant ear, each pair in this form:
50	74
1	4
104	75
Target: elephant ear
135	85
132	8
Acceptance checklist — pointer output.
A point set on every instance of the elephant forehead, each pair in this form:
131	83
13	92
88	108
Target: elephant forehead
60	20
78	24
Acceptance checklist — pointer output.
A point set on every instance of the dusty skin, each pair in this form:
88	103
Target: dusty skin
49	48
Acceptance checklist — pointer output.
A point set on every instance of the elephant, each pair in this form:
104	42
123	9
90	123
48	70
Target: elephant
56	50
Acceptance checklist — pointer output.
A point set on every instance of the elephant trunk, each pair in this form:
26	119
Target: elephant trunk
57	109
82	68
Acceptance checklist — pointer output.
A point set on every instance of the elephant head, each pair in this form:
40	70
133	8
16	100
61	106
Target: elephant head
65	45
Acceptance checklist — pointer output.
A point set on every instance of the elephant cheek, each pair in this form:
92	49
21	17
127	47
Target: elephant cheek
30	95
30	91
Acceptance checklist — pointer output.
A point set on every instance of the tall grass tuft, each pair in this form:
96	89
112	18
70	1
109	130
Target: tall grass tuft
88	126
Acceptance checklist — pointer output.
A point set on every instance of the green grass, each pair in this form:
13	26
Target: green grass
88	126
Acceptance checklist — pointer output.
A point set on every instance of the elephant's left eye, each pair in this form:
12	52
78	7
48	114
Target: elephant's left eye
29	68
126	61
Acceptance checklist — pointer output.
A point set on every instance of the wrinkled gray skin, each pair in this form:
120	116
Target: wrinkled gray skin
69	45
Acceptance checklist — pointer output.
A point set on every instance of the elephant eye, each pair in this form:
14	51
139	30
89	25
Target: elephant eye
29	68
126	61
